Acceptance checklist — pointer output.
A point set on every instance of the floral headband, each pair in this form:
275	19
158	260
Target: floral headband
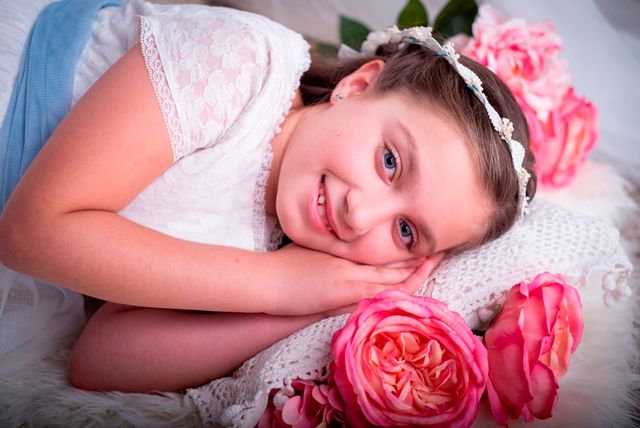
422	36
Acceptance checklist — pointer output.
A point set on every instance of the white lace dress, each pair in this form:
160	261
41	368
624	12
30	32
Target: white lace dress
224	80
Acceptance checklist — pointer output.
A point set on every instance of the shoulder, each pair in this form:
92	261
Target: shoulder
212	65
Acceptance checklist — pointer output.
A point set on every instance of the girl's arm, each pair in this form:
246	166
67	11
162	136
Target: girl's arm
134	349
62	225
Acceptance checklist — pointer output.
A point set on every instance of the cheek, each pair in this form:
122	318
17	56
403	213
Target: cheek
374	249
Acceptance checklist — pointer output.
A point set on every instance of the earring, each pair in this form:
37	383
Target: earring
338	97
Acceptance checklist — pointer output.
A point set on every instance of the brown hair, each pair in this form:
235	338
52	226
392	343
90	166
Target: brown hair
417	71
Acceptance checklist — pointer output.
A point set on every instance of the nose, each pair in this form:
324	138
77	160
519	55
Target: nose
366	209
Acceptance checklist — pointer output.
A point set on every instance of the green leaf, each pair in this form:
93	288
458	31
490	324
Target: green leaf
414	14
456	17
353	33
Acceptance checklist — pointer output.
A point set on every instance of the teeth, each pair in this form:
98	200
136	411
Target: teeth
322	209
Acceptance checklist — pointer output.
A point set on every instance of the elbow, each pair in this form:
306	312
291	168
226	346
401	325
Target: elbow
24	234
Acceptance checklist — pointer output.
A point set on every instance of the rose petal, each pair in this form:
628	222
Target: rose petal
267	420
540	312
335	401
292	410
574	312
557	358
545	396
320	394
508	371
497	408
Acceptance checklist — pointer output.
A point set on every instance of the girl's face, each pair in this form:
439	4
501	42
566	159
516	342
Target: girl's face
379	179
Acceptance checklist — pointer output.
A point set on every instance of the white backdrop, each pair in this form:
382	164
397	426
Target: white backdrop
601	43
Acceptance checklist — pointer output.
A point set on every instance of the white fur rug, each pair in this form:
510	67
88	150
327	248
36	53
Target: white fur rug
601	389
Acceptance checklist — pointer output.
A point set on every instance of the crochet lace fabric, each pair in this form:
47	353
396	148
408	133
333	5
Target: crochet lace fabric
473	283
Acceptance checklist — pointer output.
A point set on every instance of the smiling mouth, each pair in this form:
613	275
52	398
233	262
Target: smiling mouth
322	207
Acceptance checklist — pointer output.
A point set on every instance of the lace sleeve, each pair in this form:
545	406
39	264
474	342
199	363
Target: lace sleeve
205	66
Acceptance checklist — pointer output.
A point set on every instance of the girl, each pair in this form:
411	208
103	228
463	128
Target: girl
167	187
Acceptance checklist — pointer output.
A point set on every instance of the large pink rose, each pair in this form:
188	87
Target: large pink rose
524	55
404	360
569	134
529	345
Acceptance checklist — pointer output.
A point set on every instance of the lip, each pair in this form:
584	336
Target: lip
328	212
316	220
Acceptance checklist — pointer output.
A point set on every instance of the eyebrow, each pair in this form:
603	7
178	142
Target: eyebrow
414	175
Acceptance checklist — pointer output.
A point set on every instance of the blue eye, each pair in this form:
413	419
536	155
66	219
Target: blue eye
390	162
407	235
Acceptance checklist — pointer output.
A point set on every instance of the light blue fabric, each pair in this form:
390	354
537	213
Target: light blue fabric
42	93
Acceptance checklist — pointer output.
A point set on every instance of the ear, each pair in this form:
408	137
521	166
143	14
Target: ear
360	81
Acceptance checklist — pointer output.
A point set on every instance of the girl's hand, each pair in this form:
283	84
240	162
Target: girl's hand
304	281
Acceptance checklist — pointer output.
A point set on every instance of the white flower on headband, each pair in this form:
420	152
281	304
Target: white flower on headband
474	81
421	34
451	50
506	129
523	199
517	155
376	39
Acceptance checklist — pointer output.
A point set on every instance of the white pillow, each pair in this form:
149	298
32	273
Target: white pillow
551	239
473	283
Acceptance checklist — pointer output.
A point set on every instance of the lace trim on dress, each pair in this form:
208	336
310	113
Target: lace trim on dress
161	87
259	217
276	238
259	213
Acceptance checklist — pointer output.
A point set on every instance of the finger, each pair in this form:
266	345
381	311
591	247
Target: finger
340	311
410	263
417	279
378	278
432	262
386	275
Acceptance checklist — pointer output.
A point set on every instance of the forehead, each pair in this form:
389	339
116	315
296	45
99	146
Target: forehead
443	186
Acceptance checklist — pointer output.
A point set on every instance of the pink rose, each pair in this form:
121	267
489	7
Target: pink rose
310	405
523	55
537	128
569	134
529	344
404	360
562	126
